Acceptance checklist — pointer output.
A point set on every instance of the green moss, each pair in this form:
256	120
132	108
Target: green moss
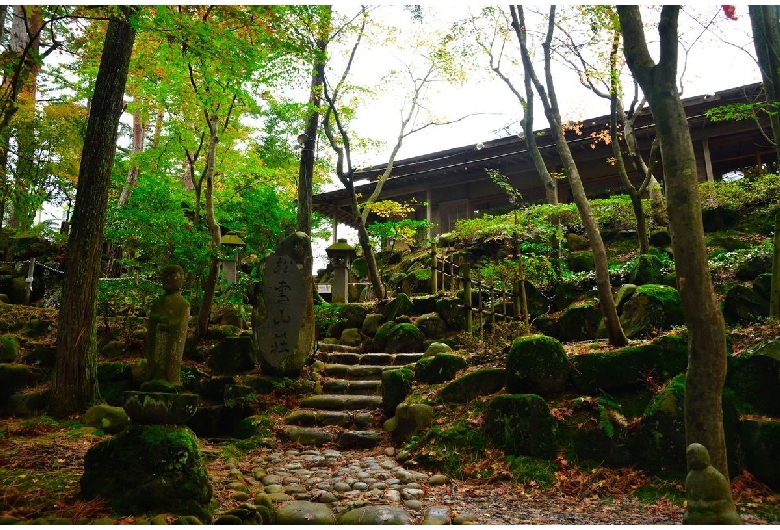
453	448
396	385
521	424
527	469
439	368
536	364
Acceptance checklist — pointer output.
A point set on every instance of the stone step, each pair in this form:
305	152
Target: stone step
345	386
321	418
324	347
359	372
345	439
376	359
341	402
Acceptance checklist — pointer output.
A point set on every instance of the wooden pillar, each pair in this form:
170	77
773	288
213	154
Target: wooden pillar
429	212
434	270
705	143
467	295
335	221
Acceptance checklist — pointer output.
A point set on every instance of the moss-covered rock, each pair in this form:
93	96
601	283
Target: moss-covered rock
743	305
114	379
665	358
521	424
597	431
661	434
9	348
439	368
352	315
233	355
762	285
113	349
15	377
424	304
36	327
650	309
647	269
718	218
400	305
304	512
435	348
379	342
576	242
149	468
579	322
396	385
110	420
371	324
474	384
31	402
760	440
409	419
566	294
452	447
432	325
404	338
547	325
753	265
581	261
623	295
351	337
536	364
754	377
375	515
660	239
453	313
42	356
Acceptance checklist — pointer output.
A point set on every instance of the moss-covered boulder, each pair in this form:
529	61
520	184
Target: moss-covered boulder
521	424
351	337
753	265
576	242
579	322
375	515
396	385
409	419
304	512
473	384
648	268
417	281
536	364
762	285
661	434
110	420
352	315
436	348
453	313
718	218
581	261
114	379
9	348
379	342
400	305
424	304
660	239
30	402
624	294
760	440
405	338
233	355
432	325
439	368
650	309
754	377
627	367
566	294
15	377
547	325
371	323
598	431
149	468
36	327
743	305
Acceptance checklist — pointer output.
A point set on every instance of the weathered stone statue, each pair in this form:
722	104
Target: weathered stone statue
168	319
708	491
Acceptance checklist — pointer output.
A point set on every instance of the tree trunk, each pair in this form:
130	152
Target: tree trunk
210	286
706	329
138	147
550	102
24	31
75	381
766	39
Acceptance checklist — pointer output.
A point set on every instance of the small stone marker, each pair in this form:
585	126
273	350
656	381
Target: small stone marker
284	293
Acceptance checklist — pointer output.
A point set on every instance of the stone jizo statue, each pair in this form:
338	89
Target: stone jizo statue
708	491
168	319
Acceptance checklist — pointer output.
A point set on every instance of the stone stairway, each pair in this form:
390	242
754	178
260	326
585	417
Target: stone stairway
347	409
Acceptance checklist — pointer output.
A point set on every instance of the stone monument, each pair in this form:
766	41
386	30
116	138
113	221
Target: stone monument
155	464
283	318
708	491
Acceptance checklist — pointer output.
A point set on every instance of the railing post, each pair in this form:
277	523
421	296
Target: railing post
479	306
467	295
434	270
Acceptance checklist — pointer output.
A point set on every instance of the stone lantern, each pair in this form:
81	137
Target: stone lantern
233	243
340	255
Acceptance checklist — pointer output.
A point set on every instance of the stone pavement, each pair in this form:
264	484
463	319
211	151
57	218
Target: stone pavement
324	486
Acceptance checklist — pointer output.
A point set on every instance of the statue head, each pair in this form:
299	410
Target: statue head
698	456
173	277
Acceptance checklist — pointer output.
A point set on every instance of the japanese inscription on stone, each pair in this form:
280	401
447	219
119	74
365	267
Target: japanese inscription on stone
283	292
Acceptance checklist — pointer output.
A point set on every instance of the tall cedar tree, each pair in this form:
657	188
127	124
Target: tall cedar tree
75	382
703	318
